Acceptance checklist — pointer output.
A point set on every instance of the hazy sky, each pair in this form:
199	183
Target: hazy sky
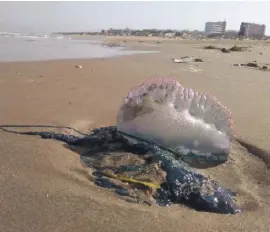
77	16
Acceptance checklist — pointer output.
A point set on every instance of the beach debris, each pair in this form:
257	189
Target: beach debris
78	66
198	60
253	64
234	48
225	50
211	47
249	64
187	59
261	53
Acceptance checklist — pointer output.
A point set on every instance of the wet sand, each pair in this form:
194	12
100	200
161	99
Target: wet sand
44	186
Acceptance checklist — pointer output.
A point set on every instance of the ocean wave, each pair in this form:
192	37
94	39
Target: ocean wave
24	36
3	33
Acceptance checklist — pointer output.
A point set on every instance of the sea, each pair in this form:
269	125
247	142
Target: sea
34	47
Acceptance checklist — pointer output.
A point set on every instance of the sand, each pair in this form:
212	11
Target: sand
44	186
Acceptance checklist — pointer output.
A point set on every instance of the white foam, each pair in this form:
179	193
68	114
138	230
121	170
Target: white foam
162	111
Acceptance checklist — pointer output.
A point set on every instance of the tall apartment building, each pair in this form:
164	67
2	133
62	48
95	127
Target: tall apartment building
252	30
215	28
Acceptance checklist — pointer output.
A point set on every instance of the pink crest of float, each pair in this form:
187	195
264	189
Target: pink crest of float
162	111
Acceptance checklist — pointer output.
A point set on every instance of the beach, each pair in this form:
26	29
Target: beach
45	187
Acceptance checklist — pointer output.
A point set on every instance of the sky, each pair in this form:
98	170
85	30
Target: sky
92	16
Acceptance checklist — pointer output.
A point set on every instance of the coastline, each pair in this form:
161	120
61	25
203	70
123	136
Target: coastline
16	48
44	185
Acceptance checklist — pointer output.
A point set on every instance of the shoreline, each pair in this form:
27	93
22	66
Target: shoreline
20	50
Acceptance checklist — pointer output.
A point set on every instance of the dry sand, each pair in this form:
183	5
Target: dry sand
44	187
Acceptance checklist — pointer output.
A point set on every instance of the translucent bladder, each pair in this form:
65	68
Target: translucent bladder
162	111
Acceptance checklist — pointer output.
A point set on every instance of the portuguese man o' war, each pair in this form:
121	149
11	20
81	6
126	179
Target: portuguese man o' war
193	125
179	129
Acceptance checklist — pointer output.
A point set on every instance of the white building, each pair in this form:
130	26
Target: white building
215	28
252	30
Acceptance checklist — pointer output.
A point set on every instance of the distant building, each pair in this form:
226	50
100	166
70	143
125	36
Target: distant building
169	35
252	30
215	28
